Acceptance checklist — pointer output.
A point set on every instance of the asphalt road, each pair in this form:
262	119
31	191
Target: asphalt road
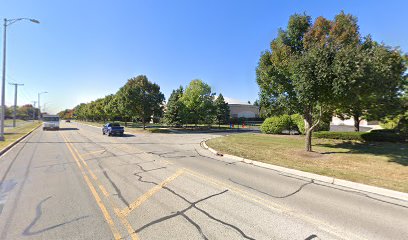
78	184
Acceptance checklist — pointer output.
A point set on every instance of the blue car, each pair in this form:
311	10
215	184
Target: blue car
112	129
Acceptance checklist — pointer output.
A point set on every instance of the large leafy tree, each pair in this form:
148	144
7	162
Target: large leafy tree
111	107
314	68
222	110
174	114
370	78
296	72
198	100
141	99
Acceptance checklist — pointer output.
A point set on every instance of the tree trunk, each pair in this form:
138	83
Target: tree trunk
308	131
356	123
309	127
144	123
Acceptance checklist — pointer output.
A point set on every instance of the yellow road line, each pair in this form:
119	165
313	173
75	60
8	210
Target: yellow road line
122	218
103	190
140	200
98	200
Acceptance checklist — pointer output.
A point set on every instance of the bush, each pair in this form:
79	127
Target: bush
381	135
299	123
339	135
276	125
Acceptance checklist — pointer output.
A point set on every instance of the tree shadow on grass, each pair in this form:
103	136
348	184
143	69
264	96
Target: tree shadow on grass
396	152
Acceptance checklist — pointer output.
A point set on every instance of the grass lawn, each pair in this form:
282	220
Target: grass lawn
379	164
12	134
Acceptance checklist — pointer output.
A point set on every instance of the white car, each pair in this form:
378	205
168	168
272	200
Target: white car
51	122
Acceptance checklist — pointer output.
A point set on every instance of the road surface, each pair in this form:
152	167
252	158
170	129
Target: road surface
78	184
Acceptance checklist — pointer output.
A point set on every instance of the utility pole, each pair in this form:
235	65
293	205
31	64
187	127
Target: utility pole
34	102
39	104
7	22
15	101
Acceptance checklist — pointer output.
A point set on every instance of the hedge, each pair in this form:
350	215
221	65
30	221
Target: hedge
276	125
380	135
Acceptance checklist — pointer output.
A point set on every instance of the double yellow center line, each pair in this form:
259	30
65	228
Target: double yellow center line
85	170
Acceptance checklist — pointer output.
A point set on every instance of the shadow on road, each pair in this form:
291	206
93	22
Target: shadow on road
68	129
124	135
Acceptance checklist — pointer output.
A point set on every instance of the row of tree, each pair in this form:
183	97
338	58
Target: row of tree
327	67
138	100
197	105
141	100
24	112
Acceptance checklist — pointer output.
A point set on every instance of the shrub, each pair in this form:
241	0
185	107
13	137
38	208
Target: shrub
339	135
385	135
381	135
276	125
299	123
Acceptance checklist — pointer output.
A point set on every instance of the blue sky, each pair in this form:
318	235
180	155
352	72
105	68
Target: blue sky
83	50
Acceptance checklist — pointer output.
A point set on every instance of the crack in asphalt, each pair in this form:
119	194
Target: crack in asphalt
192	205
164	154
38	210
274	196
313	236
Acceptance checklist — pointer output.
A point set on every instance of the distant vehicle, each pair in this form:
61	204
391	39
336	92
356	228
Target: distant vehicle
51	122
68	120
112	129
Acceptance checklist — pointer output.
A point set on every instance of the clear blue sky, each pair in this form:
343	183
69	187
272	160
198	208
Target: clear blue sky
86	49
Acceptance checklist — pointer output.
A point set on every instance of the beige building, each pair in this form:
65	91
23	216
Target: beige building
347	125
243	110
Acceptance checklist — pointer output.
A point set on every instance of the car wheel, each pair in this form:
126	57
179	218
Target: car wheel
103	133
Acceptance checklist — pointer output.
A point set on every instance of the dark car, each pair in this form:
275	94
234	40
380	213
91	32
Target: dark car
68	120
112	129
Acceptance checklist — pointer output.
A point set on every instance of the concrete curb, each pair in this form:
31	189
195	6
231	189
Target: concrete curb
316	177
8	147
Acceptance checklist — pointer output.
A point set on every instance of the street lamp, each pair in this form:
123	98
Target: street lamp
39	104
7	22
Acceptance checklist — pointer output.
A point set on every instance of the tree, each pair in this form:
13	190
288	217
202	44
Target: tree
198	100
111	107
140	98
313	69
66	114
222	110
296	73
175	108
371	79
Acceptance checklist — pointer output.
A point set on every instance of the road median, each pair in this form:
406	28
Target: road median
13	136
284	170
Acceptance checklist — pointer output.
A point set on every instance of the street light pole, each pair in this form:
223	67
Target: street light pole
15	101
3	81
7	22
39	104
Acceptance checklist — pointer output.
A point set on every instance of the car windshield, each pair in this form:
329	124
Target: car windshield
51	119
